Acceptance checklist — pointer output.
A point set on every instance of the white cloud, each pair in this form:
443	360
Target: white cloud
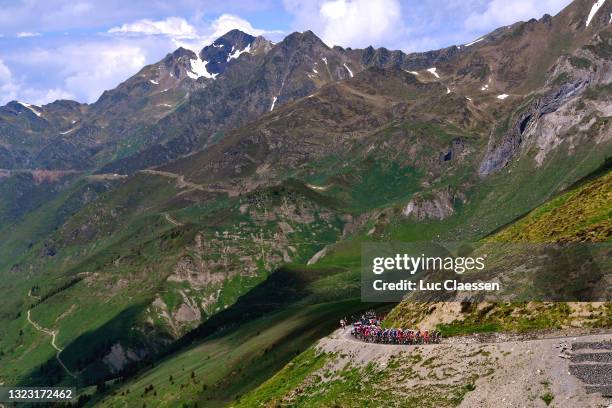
25	34
45	96
92	68
8	89
355	23
5	73
83	70
185	34
502	12
11	89
175	27
65	15
228	22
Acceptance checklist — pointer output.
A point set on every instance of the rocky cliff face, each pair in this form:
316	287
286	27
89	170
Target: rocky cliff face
562	110
438	205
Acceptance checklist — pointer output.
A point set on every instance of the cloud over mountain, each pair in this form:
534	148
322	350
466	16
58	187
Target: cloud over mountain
51	48
355	23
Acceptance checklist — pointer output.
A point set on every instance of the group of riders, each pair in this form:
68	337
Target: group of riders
368	328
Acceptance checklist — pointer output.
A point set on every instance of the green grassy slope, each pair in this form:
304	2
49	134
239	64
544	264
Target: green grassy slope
123	244
247	343
133	253
113	263
584	214
581	214
346	256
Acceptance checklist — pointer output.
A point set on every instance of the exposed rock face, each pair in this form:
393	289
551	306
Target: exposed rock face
499	153
439	205
197	272
457	149
188	311
226	49
315	258
117	357
547	119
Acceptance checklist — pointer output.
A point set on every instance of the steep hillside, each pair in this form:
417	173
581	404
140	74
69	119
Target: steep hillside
581	214
283	154
341	370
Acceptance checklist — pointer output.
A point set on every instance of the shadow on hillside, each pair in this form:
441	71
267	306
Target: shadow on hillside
84	355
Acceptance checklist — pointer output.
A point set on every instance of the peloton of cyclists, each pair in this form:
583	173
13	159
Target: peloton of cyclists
369	329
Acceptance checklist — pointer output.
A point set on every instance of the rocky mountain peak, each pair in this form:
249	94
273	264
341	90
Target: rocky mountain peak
306	39
234	37
180	53
261	45
224	49
19	108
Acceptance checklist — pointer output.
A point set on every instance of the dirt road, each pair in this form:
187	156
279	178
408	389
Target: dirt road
53	334
518	370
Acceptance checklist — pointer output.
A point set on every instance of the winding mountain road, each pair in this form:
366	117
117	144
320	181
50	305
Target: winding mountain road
575	364
188	186
53	334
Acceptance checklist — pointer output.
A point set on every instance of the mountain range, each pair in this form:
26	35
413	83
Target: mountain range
229	190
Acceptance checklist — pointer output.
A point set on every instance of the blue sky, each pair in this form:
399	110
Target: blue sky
75	49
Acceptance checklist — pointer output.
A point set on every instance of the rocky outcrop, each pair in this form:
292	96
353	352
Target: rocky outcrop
117	357
500	152
315	258
568	80
197	272
458	149
188	311
435	205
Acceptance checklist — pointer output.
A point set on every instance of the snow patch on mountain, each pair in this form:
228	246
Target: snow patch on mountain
236	54
474	42
502	96
594	10
153	82
412	72
31	107
198	69
273	103
324	60
67	131
433	72
349	70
